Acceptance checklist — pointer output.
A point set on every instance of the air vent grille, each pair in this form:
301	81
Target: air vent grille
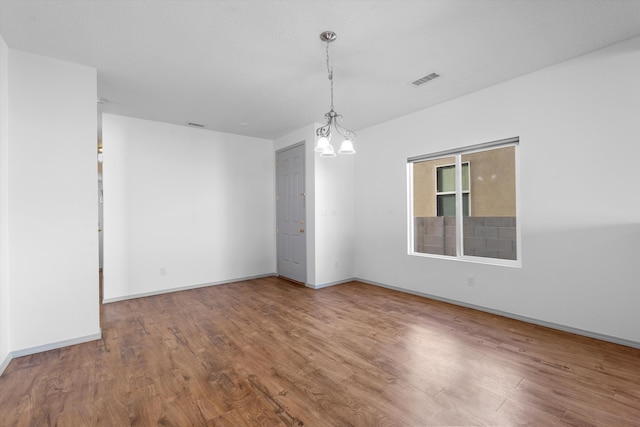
425	79
198	125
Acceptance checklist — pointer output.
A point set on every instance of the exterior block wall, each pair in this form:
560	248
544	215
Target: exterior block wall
490	237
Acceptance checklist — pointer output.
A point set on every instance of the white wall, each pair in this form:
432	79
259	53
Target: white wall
579	127
52	214
4	224
335	218
183	207
330	211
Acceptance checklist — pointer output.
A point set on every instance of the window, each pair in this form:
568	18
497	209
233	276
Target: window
463	203
446	190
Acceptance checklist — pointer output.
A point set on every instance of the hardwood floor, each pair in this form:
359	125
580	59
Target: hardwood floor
269	352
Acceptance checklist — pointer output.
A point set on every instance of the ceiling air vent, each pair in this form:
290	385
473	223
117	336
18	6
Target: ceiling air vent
425	79
198	125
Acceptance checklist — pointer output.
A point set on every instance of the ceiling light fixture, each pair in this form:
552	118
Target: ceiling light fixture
324	133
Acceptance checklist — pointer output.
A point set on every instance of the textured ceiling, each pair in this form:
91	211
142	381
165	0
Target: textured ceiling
258	68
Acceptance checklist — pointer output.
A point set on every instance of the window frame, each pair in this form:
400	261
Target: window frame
457	153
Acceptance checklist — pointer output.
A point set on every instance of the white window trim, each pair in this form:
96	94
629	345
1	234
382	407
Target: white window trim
457	153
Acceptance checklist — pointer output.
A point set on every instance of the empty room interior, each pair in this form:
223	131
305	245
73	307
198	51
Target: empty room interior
320	212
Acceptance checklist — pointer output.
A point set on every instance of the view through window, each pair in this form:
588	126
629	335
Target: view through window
446	190
463	202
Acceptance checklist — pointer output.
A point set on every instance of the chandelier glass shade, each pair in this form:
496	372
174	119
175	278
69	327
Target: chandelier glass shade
332	128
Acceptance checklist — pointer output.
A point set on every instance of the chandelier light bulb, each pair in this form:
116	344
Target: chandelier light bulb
328	151
322	144
346	147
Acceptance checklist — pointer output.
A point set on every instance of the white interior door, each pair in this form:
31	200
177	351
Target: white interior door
290	213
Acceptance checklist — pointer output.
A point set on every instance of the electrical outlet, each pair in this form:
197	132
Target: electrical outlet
471	280
163	271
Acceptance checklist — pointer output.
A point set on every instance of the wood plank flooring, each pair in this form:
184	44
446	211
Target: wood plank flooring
269	352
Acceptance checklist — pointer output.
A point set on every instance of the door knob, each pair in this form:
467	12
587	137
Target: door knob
302	230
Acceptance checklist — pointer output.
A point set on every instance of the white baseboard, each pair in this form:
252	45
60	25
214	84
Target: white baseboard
564	328
55	345
183	288
326	285
5	363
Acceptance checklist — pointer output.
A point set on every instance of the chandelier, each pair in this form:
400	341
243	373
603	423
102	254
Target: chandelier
325	132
